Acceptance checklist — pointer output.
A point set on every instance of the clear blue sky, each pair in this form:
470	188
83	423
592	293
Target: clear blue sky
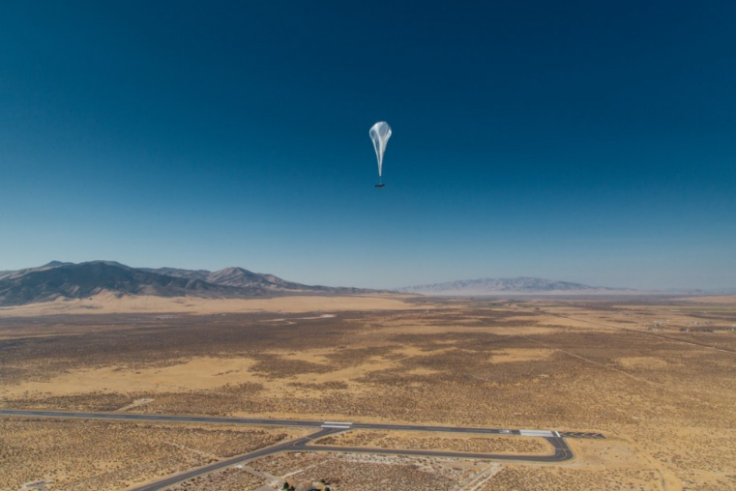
583	141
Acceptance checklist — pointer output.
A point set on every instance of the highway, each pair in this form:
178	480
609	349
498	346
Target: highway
324	428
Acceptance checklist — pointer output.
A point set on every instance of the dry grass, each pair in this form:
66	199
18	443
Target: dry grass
231	479
659	375
520	478
95	455
359	472
108	303
400	440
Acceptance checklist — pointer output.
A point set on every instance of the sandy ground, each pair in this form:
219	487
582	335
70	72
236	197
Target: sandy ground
659	380
102	456
200	373
211	373
106	303
516	354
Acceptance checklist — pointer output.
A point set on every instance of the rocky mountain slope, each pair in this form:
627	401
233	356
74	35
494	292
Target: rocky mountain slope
68	280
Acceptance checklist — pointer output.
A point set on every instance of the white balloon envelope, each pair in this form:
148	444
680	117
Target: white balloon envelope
380	133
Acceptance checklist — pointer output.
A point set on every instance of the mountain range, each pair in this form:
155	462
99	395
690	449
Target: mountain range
69	280
524	285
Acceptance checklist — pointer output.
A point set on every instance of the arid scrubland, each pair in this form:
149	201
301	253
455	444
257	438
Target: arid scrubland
656	376
95	455
231	479
431	441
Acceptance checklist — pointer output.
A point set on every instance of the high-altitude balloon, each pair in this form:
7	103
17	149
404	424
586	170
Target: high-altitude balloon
380	133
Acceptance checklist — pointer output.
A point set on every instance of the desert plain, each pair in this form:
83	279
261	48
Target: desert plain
656	376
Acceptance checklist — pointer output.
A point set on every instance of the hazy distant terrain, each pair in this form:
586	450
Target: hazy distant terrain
75	281
493	286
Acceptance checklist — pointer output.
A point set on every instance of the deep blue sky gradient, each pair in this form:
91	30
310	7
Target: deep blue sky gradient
575	140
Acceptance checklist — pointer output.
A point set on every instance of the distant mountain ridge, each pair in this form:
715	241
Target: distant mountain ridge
69	280
523	284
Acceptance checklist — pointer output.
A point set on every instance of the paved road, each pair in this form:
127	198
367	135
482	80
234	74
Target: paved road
158	417
562	451
282	447
270	422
